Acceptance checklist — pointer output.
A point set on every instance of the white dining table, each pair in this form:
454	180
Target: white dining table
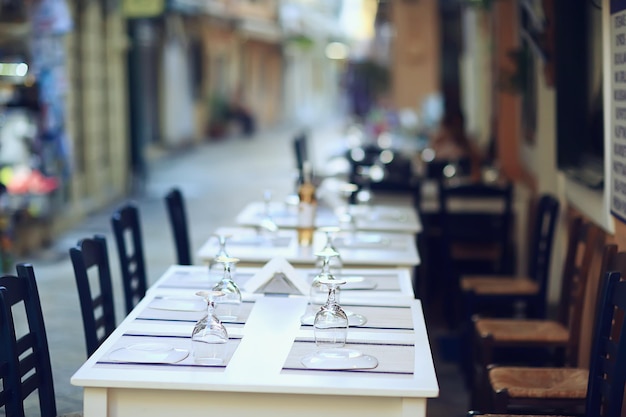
263	374
377	217
360	248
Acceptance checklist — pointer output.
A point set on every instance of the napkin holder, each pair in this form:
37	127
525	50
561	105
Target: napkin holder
277	277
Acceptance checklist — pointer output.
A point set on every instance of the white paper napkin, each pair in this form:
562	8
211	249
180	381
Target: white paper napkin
278	268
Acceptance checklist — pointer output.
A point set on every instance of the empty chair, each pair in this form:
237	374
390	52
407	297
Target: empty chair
127	232
90	257
549	389
24	358
476	222
516	341
178	221
500	292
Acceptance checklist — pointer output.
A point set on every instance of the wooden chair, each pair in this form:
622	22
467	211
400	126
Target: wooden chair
565	390
476	222
24	359
127	232
178	221
496	294
518	341
96	303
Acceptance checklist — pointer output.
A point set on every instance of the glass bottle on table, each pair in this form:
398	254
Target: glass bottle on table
229	304
209	336
307	207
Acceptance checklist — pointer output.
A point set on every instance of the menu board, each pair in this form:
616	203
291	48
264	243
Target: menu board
618	108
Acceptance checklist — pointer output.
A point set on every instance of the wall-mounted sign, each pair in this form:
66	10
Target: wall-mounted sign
618	109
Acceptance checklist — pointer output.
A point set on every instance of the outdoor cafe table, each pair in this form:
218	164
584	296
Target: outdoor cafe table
263	374
361	248
378	217
376	285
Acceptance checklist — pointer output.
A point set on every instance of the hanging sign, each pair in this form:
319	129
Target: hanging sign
618	109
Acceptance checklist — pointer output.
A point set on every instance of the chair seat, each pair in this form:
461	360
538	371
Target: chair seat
499	285
522	331
551	383
473	251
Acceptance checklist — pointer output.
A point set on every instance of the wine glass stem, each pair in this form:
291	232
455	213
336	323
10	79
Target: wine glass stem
332	296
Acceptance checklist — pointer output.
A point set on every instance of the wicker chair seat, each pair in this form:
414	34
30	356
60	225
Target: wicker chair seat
550	383
523	331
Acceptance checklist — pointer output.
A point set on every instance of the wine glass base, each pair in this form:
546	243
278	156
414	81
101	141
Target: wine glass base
356	320
339	358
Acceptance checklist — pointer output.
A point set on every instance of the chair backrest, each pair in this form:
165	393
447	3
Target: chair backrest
301	152
584	240
476	214
544	222
90	258
607	366
178	221
24	357
127	232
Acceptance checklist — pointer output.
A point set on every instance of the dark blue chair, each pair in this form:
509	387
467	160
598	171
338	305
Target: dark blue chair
475	224
24	359
495	295
127	232
175	205
96	304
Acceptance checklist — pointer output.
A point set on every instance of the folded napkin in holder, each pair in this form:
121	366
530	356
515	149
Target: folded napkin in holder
277	277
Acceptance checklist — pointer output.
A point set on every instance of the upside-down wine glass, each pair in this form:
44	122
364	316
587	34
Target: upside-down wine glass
334	263
345	216
209	336
330	329
325	256
216	269
328	255
267	226
330	326
228	306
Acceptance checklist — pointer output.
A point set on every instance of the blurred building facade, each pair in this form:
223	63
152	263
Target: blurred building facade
132	76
